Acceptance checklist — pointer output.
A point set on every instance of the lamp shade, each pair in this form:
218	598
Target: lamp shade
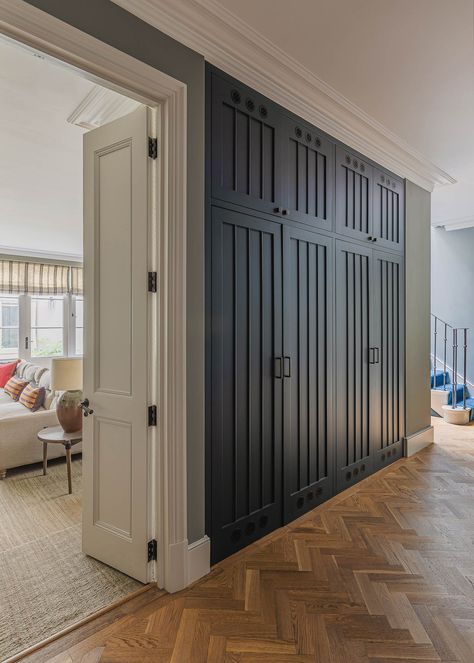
66	374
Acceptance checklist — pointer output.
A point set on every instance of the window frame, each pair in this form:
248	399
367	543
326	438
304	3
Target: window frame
24	327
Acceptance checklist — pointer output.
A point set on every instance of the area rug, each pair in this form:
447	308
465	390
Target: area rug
46	582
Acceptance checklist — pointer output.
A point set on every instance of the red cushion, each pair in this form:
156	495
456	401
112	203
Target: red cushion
6	371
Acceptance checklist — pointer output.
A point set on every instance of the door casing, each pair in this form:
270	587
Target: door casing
101	63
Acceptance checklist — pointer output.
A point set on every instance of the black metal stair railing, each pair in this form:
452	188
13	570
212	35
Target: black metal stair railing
443	326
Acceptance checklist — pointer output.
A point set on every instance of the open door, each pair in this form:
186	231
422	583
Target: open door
115	440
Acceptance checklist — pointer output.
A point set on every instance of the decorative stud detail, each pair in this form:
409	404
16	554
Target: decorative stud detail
356	471
356	163
308	137
263	111
348	159
235	96
318	142
298	132
362	168
382	178
348	476
250	105
388	182
310	496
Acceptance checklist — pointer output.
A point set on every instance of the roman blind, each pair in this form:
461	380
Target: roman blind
38	278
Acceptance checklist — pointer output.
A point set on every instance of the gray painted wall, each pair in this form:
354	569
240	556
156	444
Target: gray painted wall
417	308
452	266
111	24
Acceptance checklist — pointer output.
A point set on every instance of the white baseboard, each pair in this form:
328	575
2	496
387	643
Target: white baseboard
418	441
199	559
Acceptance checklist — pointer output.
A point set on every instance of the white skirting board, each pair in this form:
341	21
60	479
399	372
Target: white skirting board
199	559
418	441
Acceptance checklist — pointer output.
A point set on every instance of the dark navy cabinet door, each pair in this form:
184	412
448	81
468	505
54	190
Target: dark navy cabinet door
354	193
389	211
246	147
387	397
246	391
309	175
354	343
307	368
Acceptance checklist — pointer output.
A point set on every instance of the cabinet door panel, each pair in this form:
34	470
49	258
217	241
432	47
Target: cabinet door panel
389	211
308	439
353	195
309	175
353	371
388	371
246	147
246	431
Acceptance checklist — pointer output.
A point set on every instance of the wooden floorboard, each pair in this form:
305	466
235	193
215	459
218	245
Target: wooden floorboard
384	573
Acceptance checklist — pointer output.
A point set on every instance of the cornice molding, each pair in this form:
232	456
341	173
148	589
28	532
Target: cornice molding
238	49
455	224
99	107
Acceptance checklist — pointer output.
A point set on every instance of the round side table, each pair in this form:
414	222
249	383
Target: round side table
56	435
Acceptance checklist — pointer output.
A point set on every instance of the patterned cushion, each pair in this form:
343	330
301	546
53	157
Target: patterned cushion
14	387
32	397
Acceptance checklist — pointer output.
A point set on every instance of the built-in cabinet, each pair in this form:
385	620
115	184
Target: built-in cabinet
305	243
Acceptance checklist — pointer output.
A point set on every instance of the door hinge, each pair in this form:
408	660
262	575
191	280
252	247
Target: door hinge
152	282
152	415
153	148
152	548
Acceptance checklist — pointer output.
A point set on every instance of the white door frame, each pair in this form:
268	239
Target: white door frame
101	63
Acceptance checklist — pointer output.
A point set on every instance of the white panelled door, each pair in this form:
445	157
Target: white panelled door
115	443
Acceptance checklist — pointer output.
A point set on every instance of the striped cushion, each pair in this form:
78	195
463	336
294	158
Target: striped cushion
14	387
32	397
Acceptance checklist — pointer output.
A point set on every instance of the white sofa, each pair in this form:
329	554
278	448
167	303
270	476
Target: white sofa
19	427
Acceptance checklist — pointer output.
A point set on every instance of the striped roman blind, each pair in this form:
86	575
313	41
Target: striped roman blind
37	278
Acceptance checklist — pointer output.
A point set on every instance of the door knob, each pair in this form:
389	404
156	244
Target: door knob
85	407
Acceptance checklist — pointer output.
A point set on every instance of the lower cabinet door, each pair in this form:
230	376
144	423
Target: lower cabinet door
246	383
388	373
308	458
354	372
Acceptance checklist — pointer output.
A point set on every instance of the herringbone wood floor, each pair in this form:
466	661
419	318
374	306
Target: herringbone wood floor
383	573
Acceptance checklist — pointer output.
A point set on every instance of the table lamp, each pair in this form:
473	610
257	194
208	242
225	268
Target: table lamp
66	375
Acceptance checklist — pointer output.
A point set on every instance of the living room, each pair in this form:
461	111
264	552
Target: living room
48	582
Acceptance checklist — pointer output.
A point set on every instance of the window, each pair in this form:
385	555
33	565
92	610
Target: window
33	326
9	327
47	326
78	321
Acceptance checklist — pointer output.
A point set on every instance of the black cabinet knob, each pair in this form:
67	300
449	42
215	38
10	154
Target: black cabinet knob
370	238
284	212
277	210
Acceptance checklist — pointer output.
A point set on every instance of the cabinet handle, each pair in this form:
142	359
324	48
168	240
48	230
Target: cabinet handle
371	355
284	212
370	238
277	210
377	351
374	239
287	367
277	368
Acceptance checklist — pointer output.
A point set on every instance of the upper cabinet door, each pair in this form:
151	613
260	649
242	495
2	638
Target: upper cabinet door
309	181
389	211
246	154
354	182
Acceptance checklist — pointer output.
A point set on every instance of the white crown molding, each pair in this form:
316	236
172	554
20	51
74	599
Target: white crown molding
101	106
235	47
455	224
23	252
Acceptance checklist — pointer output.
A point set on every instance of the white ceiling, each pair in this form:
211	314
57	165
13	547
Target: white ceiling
408	63
41	152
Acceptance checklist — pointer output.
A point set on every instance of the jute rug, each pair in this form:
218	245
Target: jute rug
46	582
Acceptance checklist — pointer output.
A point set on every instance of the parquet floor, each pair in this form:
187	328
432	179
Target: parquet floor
384	573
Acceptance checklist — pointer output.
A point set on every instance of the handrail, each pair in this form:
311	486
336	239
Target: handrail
455	345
